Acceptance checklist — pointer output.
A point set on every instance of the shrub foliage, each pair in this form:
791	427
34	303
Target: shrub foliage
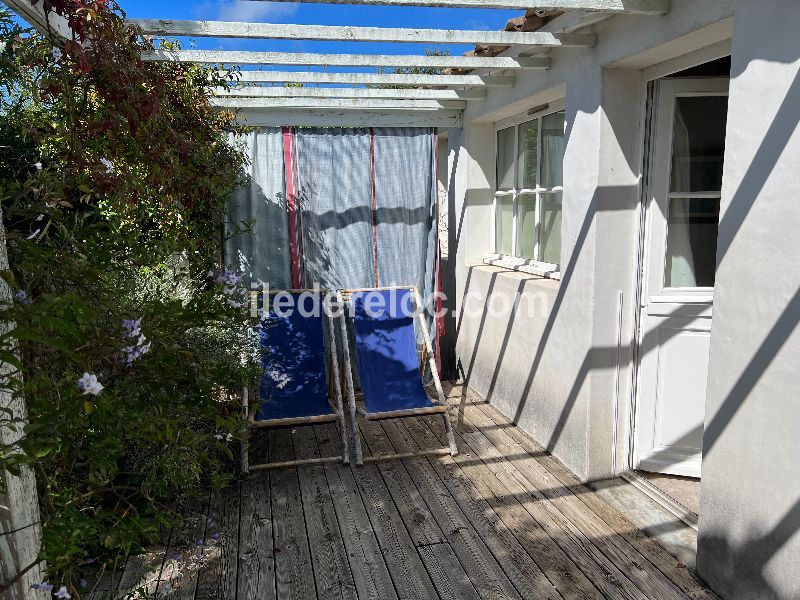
114	175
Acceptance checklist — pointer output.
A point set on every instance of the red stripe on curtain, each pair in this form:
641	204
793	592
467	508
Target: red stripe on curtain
374	204
291	205
438	256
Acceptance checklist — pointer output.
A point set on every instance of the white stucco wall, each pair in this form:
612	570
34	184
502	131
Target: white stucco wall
554	371
749	545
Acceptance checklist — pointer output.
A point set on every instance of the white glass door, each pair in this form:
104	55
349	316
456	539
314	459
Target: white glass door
680	263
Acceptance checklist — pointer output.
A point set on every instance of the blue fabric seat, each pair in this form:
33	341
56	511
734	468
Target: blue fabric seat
386	351
294	380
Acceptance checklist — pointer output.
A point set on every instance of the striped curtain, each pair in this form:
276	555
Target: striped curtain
341	208
256	225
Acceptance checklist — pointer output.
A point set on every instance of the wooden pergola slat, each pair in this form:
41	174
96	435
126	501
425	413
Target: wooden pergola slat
641	7
321	77
50	24
338	103
325	117
237	57
274	31
256	91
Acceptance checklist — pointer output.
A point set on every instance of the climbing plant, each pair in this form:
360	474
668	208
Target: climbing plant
120	333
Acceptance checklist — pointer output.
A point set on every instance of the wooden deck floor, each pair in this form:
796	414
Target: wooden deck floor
501	520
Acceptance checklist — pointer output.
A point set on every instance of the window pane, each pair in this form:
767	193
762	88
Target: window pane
693	226
553	150
528	151
698	143
526	223
505	159
504	222
551	228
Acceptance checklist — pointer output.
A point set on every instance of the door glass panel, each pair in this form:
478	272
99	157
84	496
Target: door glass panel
504	222
553	150
505	159
528	150
698	143
526	218
551	228
693	226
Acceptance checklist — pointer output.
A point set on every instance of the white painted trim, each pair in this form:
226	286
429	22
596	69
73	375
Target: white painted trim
532	267
515	122
277	31
371	78
345	60
661	498
552	107
317	117
254	91
645	7
687	61
338	103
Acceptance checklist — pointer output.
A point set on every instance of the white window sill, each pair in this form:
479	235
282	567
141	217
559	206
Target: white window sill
523	265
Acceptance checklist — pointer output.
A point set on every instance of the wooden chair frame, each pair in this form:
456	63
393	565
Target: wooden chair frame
336	415
345	298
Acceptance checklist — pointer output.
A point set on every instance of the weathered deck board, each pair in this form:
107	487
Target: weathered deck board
638	569
492	487
256	578
370	572
331	568
217	578
411	580
294	573
598	568
521	569
480	565
449	578
417	517
501	520
647	546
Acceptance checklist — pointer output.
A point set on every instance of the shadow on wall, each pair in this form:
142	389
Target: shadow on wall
744	563
749	559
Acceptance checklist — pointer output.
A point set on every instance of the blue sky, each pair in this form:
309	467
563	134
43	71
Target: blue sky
318	14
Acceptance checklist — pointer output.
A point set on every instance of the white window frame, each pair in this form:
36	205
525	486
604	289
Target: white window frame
516	262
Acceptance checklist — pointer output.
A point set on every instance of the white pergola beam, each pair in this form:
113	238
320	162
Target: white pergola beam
472	81
640	7
257	91
338	103
317	117
54	26
237	57
275	31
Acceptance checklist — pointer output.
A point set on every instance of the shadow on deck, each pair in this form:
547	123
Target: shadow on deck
501	520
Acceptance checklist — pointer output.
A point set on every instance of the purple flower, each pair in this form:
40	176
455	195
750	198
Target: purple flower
22	296
215	536
175	555
63	593
132	327
44	586
83	583
198	543
133	330
88	384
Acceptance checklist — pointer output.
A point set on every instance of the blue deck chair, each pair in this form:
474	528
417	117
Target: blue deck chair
295	388
389	364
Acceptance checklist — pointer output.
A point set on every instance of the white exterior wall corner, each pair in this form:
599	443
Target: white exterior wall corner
616	201
749	539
